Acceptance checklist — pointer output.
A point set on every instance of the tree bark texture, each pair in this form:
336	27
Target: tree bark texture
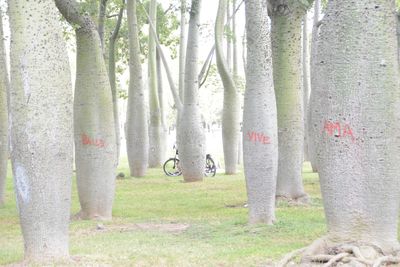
230	111
4	135
41	128
286	17
314	136
357	108
191	133
95	142
306	82
157	151
137	136
260	137
112	77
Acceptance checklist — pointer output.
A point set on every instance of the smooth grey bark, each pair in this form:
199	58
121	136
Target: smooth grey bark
41	128
313	136
182	59
228	33
156	148
306	82
230	110
191	133
357	112
112	77
4	135
182	49
160	88
137	136
95	142
260	137
102	18
286	17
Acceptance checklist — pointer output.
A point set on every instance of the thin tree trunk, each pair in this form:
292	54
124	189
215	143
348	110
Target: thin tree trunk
191	133
137	137
313	137
227	31
164	130
306	82
41	129
157	151
182	59
4	91
357	108
260	137
95	142
230	111
286	49
102	18
111	75
236	77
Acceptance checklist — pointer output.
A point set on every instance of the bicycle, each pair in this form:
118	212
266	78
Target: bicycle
171	166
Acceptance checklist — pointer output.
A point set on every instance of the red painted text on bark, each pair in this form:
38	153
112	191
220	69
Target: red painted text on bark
258	138
86	140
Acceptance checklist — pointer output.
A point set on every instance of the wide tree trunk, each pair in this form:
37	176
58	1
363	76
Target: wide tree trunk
230	111
112	76
137	137
182	60
260	137
157	151
4	90
191	133
286	19
95	143
41	128
358	115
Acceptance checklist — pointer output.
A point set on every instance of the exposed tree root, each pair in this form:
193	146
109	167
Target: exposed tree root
299	201
326	253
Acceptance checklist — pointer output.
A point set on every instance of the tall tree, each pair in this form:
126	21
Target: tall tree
4	90
182	49
306	82
191	133
137	137
95	143
286	17
41	130
260	139
230	111
112	75
313	135
101	21
157	149
359	102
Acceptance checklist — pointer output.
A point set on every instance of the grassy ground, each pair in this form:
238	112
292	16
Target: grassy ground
160	221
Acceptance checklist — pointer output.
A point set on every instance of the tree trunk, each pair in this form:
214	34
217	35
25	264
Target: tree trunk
182	59
191	133
41	128
4	91
286	50
306	82
313	137
358	115
260	142
157	152
160	87
111	75
95	142
227	32
102	18
230	111
137	137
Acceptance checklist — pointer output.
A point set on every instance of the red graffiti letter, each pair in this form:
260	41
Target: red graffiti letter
86	140
266	140
347	131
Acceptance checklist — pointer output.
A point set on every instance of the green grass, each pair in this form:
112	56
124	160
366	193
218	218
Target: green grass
217	235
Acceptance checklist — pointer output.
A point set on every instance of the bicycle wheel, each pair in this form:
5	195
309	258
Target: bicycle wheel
210	169
171	167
